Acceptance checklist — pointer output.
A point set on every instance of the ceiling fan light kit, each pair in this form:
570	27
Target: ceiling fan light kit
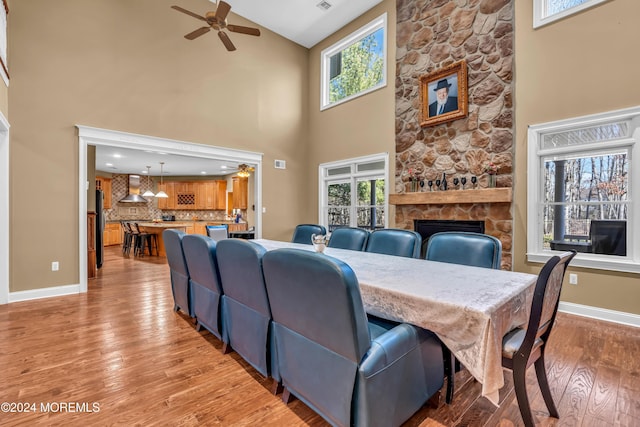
218	21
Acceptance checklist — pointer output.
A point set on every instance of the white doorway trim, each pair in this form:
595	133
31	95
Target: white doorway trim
103	137
4	209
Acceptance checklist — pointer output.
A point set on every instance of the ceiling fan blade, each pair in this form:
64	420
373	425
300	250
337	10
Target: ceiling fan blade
226	41
222	11
197	33
243	30
179	9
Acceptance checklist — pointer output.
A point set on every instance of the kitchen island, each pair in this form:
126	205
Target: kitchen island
157	228
189	227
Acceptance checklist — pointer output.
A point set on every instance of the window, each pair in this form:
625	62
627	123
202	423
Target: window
4	72
356	65
354	193
584	190
547	11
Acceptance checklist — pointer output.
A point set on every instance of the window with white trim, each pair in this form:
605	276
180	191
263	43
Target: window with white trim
354	193
547	11
584	190
4	71
355	65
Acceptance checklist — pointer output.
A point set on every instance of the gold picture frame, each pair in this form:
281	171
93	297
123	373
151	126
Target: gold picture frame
444	95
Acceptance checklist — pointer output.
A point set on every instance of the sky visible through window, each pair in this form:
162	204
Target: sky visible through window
557	6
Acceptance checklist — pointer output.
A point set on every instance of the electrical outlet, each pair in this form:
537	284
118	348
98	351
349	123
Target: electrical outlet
573	279
55	266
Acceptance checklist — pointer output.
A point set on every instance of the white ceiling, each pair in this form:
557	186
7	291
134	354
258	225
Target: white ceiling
126	161
301	21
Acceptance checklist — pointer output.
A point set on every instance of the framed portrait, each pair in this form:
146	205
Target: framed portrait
444	95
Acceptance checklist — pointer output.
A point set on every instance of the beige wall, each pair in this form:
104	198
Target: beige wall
124	65
363	126
584	64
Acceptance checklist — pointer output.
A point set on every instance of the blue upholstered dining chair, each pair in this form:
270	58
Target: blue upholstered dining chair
246	311
204	281
351	238
218	232
391	241
347	369
522	347
302	233
179	271
457	247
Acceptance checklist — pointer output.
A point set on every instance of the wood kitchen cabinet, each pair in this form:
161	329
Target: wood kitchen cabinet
112	234
167	202
194	195
240	186
104	184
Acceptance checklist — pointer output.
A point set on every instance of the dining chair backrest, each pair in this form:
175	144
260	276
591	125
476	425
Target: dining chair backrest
457	247
303	232
178	269
246	311
349	238
546	299
349	370
204	281
522	347
391	241
218	232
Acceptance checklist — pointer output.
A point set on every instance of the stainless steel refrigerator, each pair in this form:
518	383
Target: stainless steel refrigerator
100	221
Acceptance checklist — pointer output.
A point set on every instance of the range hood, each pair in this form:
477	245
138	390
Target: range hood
133	195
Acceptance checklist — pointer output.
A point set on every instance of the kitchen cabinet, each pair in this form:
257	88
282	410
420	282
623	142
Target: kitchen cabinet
240	192
104	184
170	201
112	234
193	195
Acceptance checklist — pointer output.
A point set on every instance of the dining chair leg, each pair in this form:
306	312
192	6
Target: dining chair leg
541	373
520	386
286	395
449	372
276	387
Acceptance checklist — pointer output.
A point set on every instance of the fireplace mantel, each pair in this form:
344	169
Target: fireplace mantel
478	195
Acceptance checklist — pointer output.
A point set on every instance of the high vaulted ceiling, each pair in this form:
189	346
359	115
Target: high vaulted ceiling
301	21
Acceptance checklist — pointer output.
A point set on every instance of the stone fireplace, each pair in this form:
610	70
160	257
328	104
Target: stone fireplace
432	34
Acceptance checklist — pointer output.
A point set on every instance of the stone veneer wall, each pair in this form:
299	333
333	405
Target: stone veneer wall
432	34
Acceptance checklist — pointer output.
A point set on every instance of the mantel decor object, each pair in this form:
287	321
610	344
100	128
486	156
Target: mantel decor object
444	95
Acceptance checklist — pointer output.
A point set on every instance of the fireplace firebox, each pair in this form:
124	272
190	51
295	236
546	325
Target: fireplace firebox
428	227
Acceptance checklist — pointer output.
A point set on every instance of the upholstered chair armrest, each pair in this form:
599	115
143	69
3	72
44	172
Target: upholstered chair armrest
389	347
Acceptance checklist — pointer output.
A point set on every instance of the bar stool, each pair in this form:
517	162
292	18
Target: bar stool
127	237
143	239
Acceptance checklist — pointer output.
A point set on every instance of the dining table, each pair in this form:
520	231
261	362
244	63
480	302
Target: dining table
469	308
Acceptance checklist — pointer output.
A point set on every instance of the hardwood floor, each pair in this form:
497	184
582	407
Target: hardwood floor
119	355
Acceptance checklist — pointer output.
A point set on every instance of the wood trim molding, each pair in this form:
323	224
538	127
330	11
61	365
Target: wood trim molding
479	195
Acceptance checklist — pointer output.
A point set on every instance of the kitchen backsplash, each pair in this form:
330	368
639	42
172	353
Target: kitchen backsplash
144	211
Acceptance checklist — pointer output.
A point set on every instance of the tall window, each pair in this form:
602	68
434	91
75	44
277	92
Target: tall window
583	193
4	71
354	193
547	11
355	65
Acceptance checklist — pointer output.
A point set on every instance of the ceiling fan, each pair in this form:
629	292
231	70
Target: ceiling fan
218	21
244	170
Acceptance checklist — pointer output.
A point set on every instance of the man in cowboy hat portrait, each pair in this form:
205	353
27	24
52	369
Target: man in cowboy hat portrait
443	103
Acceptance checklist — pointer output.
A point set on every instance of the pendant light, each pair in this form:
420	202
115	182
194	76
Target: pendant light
161	194
148	193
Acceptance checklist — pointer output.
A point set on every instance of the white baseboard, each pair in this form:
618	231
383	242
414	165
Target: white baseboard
54	291
600	313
